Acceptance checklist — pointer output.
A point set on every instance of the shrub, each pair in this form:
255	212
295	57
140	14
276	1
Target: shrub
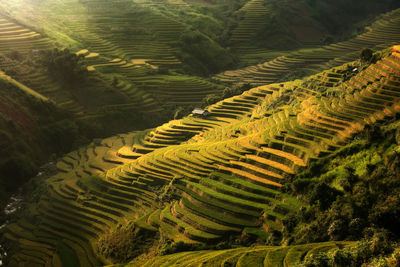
175	247
117	245
317	260
210	99
341	257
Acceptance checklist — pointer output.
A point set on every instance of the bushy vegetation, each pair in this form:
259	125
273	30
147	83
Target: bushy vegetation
353	195
65	65
244	240
375	252
125	243
226	93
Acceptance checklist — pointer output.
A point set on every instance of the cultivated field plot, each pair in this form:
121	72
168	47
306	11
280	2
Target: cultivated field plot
14	36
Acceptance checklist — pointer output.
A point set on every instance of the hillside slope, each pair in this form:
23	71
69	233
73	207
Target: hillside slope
24	127
381	33
200	180
73	72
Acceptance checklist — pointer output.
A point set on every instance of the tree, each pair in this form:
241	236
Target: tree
65	66
210	99
323	195
366	55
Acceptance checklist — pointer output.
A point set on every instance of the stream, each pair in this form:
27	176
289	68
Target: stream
13	204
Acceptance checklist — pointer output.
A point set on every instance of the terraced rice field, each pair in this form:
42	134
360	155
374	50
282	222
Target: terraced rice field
142	83
19	38
108	32
254	13
115	30
14	36
66	188
224	172
149	47
134	52
128	46
251	20
382	33
255	256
